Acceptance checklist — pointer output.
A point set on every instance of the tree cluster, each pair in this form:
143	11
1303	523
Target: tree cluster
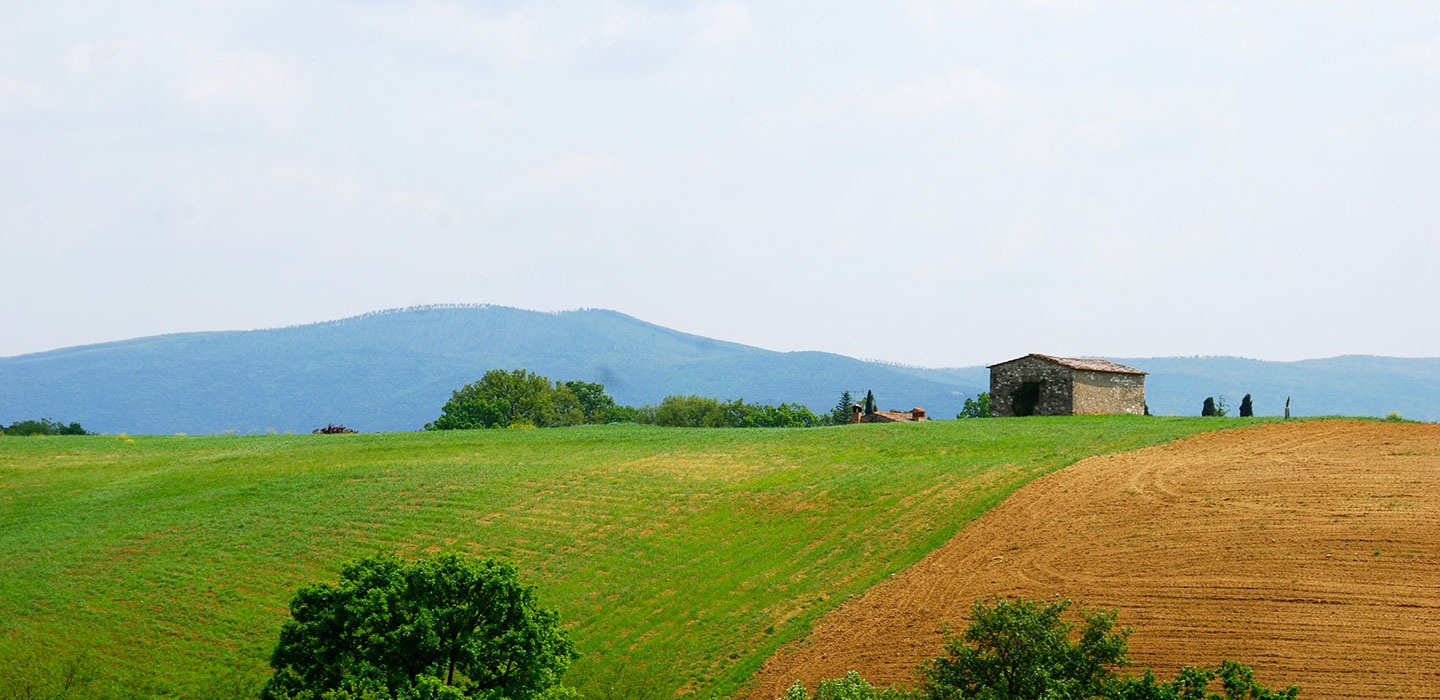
445	628
1218	408
1027	650
43	426
518	397
706	412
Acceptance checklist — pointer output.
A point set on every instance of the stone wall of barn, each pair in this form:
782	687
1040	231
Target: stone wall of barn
1107	392
1055	386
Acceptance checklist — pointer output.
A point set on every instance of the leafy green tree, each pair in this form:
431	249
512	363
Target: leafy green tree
785	415
1247	408
840	415
793	415
1221	408
625	414
595	404
447	627
690	412
501	399
1022	650
978	407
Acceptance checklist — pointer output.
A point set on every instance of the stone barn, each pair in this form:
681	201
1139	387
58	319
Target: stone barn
1042	385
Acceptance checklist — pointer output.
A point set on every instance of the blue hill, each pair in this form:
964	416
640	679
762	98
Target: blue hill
1351	385
392	370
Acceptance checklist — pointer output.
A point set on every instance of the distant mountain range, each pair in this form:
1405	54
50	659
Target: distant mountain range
393	370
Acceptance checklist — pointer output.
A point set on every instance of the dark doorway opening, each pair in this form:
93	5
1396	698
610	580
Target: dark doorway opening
1025	397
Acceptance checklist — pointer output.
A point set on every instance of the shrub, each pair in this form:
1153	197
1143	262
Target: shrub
1018	650
1236	680
332	429
851	687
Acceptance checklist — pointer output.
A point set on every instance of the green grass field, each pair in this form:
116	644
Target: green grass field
679	559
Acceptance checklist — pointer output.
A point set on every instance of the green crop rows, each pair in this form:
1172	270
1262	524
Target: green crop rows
679	559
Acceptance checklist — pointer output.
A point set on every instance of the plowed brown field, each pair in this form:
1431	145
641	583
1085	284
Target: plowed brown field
1310	550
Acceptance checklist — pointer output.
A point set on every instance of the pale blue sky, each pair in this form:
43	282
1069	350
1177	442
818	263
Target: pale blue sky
926	182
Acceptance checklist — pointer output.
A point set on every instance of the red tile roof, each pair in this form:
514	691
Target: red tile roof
1079	363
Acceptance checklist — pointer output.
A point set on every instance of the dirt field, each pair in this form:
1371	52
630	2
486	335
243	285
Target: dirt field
1310	550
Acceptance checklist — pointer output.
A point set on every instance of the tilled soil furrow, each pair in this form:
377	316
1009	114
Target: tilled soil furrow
1310	550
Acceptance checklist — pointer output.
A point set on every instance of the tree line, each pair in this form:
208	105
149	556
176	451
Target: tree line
520	399
43	426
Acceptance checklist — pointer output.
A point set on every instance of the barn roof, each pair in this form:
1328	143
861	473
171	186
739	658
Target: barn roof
1078	363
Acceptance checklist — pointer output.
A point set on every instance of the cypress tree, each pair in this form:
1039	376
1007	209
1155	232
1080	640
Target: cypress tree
1247	409
1209	408
869	402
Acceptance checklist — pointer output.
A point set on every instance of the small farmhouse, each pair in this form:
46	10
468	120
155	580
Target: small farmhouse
858	415
1042	385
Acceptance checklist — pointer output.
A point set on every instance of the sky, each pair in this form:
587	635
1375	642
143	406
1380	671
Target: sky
931	183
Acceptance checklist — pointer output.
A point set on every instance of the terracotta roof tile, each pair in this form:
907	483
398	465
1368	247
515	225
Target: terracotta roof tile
1080	363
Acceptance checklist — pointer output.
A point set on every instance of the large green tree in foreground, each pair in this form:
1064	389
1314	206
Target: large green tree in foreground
1023	649
448	627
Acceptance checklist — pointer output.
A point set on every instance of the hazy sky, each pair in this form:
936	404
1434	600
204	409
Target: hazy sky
938	183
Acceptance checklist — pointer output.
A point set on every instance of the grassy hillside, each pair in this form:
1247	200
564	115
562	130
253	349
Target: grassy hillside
680	559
